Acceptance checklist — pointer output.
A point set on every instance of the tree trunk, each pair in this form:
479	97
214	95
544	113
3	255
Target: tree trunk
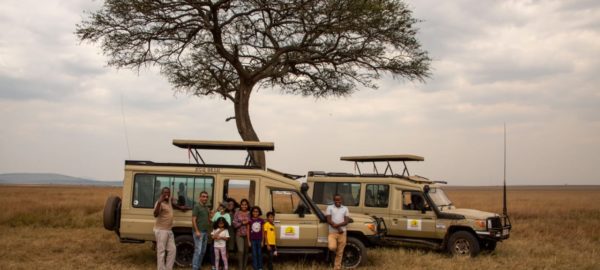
243	123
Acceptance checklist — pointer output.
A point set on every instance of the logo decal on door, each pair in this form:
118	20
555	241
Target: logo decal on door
289	232
413	224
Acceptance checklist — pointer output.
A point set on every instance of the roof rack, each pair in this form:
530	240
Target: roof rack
383	158
193	145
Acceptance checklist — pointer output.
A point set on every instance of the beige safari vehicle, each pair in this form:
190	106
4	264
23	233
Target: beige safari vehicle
415	210
301	225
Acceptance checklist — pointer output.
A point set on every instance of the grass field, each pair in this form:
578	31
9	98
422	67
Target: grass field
55	227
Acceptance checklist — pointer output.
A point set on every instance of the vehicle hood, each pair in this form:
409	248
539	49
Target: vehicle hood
470	213
360	218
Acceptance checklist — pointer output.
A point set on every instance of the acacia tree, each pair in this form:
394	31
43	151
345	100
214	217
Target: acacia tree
229	48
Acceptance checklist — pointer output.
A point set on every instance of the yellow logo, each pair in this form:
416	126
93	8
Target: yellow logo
414	223
290	230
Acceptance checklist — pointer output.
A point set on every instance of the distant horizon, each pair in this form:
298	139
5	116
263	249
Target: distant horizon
443	185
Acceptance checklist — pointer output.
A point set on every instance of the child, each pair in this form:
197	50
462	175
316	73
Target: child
222	212
220	234
270	239
256	239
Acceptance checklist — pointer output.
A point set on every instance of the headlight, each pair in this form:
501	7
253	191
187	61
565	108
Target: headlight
480	223
371	226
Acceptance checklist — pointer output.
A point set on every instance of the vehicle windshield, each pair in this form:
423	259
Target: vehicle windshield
439	198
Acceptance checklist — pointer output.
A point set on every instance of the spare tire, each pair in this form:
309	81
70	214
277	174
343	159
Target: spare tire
111	210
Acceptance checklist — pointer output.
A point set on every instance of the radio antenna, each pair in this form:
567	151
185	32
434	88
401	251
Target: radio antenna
504	211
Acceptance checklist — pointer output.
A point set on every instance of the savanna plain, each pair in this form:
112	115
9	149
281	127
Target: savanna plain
60	227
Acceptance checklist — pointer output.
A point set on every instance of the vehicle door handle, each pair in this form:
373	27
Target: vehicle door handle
276	221
367	214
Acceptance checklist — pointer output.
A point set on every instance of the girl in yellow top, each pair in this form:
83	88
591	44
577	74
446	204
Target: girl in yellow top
269	229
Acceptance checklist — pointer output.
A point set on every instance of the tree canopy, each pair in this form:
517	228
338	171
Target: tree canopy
228	48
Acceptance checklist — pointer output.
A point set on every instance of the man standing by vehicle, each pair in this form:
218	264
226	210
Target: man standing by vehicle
202	228
338	217
165	241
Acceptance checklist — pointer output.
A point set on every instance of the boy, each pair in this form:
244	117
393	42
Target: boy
269	229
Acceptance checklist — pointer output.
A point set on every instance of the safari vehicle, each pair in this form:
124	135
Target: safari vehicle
415	210
301	226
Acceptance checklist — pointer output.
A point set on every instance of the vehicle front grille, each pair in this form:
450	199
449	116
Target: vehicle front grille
495	222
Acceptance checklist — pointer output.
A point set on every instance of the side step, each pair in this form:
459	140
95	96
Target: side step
423	242
131	241
282	250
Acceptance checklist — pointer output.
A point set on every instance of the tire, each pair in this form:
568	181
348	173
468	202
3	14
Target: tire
488	245
184	244
355	253
111	211
463	243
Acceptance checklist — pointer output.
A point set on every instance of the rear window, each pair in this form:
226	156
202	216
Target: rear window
350	192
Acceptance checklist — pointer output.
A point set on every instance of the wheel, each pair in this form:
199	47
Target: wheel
463	243
185	250
355	253
488	245
111	208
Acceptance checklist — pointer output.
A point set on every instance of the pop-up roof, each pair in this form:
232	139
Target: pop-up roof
383	158
193	145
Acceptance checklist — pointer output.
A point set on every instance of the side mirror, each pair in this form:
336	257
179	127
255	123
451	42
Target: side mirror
300	210
426	188
304	188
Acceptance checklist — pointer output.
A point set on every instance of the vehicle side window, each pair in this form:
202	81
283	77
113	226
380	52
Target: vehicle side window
414	200
184	189
350	192
239	189
288	202
200	183
377	195
144	190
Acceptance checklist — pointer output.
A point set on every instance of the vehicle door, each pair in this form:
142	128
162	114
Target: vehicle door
295	222
411	215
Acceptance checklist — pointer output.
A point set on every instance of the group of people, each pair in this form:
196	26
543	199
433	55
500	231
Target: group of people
233	228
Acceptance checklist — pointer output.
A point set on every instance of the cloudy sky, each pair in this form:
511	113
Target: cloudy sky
534	65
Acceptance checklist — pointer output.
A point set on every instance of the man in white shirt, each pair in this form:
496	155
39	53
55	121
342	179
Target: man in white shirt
338	217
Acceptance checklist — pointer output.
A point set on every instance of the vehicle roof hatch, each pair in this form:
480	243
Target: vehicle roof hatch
193	145
383	158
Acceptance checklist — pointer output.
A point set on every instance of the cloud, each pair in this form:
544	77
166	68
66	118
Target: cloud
531	64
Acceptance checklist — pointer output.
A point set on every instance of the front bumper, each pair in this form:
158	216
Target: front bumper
498	229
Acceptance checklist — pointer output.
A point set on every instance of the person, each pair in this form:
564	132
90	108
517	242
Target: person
201	225
222	212
182	198
232	205
416	202
256	239
338	217
220	235
270	236
165	241
241	219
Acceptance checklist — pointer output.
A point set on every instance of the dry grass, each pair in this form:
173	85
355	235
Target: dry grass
54	227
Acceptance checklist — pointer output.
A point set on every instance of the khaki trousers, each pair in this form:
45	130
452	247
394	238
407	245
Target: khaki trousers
337	242
165	243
